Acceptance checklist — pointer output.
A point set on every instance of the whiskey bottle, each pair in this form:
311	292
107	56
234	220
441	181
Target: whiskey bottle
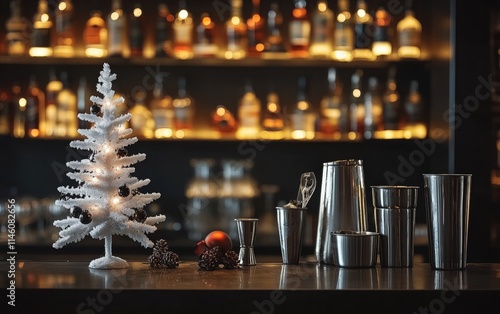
83	101
35	109
162	111
331	105
65	37
67	122
117	28
373	109
303	119
409	34
236	33
357	106
19	116
273	124
136	33
164	32
299	30
381	33
41	40
5	112
414	109
16	28
95	35
54	86
363	33
274	42
183	32
255	31
223	120
391	101
249	110
322	31
205	45
343	33
142	121
183	109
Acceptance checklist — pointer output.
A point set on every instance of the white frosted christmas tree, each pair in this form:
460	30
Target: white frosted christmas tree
107	200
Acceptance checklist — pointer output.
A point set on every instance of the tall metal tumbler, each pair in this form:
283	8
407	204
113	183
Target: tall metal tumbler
447	202
395	208
342	204
291	227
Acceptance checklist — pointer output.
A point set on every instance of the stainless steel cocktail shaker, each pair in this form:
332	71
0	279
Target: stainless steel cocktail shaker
342	204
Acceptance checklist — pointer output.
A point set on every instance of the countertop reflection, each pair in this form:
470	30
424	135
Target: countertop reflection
263	276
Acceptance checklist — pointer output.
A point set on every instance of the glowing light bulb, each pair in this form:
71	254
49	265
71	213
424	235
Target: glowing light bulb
116	200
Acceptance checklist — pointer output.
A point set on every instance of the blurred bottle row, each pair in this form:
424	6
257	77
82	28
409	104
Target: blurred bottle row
365	109
312	30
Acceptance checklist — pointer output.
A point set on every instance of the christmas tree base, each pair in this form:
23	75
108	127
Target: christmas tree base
112	262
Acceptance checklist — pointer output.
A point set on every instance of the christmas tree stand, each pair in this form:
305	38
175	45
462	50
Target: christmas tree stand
108	261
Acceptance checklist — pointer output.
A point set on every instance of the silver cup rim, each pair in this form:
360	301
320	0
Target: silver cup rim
447	174
398	187
353	233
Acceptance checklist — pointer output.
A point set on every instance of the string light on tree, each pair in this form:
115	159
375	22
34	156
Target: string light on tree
107	200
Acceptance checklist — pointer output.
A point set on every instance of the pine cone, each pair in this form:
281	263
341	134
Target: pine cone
230	260
156	260
161	246
171	259
210	260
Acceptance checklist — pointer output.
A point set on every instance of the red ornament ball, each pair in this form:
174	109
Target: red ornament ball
219	238
213	239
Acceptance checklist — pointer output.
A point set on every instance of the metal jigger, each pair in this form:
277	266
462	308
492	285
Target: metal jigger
246	232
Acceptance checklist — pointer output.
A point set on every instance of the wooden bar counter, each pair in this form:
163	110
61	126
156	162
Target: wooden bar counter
268	287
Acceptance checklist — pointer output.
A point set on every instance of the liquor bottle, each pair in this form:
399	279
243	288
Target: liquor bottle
322	31
136	33
273	124
67	121
205	45
142	121
381	37
5	111
344	33
183	32
95	35
41	40
164	32
274	42
331	105
16	27
19	117
122	107
357	106
255	31
236	33
299	30
35	109
363	33
303	119
183	108
409	34
223	120
83	101
391	101
54	86
117	30
65	37
414	109
162	110
373	109
249	110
